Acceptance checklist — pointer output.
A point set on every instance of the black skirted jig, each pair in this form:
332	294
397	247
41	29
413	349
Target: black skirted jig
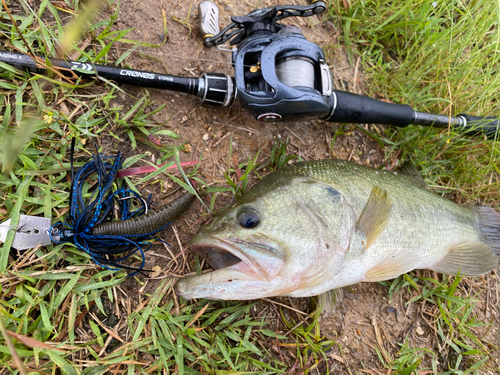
89	225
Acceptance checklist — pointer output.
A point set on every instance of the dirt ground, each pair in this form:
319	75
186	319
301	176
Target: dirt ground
365	320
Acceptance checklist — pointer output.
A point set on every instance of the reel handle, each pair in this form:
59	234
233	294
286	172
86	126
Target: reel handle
322	6
208	13
237	30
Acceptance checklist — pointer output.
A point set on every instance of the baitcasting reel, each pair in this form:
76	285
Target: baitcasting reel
278	72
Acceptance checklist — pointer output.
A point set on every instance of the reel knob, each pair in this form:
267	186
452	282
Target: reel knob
209	20
320	7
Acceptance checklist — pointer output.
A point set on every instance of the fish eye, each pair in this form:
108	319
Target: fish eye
249	218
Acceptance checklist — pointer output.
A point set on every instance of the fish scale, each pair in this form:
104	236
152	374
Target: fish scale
334	223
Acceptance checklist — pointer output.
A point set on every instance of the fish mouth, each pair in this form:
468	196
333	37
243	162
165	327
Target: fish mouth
238	265
218	253
233	254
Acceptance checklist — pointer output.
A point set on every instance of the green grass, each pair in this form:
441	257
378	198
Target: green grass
451	316
439	57
46	291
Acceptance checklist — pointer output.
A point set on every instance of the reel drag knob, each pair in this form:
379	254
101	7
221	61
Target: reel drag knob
208	12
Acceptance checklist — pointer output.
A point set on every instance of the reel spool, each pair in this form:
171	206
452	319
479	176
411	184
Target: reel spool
296	71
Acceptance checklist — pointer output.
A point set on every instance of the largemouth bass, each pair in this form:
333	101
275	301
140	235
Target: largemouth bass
315	226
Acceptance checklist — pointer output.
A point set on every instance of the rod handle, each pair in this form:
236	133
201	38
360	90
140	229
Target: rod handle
358	109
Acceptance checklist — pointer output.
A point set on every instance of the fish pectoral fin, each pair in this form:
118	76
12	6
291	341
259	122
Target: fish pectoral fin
392	267
468	258
375	215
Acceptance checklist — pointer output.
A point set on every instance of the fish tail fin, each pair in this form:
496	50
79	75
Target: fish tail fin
489	226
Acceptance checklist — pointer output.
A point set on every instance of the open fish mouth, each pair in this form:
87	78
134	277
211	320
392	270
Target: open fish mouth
218	257
248	258
238	265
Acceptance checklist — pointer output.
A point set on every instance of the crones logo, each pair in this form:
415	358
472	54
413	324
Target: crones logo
136	74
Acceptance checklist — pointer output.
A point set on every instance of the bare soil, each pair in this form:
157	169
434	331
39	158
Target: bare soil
365	321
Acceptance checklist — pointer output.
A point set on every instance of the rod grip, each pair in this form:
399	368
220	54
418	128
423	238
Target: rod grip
489	126
359	109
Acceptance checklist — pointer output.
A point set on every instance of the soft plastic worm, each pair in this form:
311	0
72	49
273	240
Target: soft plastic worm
146	224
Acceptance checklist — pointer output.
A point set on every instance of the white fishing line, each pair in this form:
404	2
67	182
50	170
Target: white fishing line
126	49
150	52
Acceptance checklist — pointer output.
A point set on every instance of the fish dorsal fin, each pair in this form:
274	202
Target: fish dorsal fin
468	258
409	169
375	215
392	267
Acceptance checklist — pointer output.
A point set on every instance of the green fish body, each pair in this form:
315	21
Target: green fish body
315	226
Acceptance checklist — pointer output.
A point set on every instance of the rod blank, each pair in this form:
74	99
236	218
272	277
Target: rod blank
119	75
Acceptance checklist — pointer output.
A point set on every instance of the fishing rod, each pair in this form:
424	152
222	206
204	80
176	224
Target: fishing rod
278	75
